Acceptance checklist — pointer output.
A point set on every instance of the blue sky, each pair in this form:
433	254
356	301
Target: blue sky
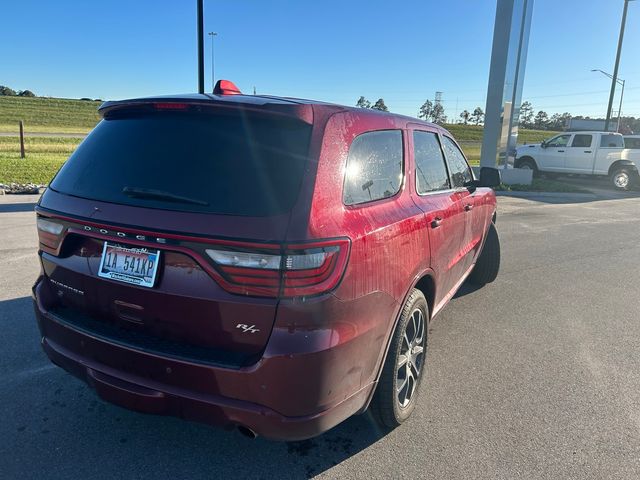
329	50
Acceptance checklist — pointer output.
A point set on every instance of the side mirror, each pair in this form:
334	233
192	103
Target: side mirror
544	144
489	177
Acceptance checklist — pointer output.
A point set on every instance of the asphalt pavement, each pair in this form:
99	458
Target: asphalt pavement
534	376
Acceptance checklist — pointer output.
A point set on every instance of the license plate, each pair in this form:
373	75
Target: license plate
137	266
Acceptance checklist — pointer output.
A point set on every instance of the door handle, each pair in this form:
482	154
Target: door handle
560	151
468	207
436	222
587	151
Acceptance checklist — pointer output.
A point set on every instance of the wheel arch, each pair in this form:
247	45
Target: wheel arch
622	164
427	286
519	161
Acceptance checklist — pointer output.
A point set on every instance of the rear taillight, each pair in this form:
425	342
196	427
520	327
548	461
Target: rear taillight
291	271
49	234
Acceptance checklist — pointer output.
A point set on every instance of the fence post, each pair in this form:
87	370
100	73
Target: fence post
21	139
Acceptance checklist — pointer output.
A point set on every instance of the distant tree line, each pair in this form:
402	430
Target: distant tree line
434	112
476	118
10	92
429	111
558	121
541	120
378	105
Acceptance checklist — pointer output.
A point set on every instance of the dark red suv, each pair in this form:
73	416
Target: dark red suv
264	263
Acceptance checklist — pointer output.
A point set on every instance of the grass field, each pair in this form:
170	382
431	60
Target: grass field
45	155
48	114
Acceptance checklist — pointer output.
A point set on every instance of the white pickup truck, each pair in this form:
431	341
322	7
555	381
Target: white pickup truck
586	153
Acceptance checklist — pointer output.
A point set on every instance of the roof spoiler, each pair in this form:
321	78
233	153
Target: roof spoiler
228	102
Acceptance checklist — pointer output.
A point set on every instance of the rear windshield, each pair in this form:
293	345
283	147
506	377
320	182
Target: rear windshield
632	142
240	164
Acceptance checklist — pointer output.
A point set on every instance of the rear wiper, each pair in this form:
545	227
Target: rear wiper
138	192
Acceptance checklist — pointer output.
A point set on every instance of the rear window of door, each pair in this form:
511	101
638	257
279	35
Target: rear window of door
374	167
235	164
431	170
458	167
582	140
611	141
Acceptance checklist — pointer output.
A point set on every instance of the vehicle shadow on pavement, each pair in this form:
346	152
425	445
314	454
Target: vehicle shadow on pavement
466	288
595	190
16	207
54	423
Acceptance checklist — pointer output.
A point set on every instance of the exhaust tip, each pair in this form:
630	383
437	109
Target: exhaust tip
247	432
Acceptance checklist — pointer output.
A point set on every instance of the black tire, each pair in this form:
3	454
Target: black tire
488	263
622	178
528	163
386	405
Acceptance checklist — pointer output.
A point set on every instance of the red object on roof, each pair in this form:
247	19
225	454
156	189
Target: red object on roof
226	87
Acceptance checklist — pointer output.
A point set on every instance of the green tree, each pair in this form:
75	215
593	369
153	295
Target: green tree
477	116
437	115
558	121
465	115
541	120
526	115
379	105
9	92
426	111
363	103
26	93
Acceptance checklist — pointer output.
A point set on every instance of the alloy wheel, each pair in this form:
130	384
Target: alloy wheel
621	180
410	358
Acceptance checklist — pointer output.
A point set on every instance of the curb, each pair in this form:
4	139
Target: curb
575	196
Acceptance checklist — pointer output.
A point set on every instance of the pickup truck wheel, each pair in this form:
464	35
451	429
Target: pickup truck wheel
488	263
621	178
528	164
397	390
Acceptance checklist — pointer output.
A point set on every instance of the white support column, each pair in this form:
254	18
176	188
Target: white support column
504	93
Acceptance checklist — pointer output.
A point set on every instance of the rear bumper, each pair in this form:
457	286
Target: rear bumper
148	383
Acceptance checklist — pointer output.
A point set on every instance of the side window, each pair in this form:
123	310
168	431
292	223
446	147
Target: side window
582	140
458	166
374	167
431	171
632	142
611	141
559	141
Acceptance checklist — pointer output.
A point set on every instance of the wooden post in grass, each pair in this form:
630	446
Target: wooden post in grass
21	139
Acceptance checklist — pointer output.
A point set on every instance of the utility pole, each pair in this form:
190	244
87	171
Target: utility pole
200	20
213	77
621	82
614	80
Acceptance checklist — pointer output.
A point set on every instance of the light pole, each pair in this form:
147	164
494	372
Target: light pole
619	81
213	78
615	68
200	29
